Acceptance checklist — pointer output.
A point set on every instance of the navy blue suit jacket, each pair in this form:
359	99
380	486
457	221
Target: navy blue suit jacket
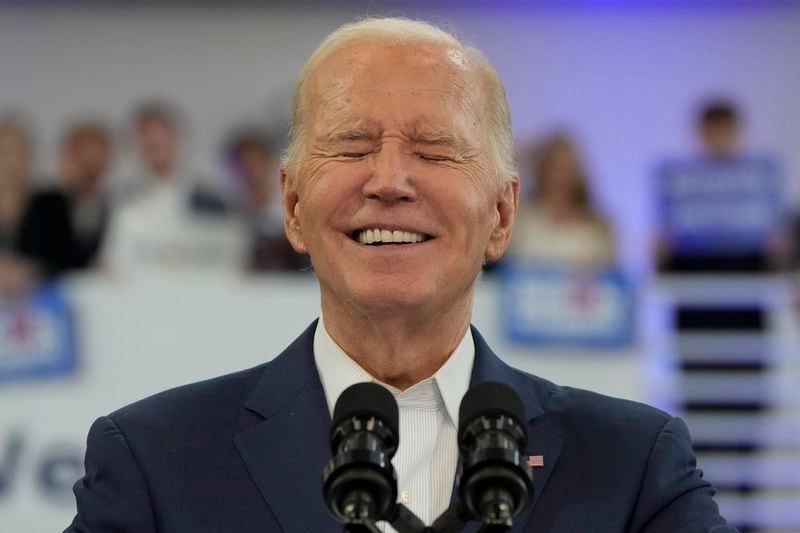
244	453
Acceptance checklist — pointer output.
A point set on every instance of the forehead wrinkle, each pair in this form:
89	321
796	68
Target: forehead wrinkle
467	92
335	93
340	73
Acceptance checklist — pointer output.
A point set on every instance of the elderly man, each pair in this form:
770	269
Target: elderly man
399	183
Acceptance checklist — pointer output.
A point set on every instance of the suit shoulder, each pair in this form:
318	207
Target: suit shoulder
586	411
44	202
217	397
49	195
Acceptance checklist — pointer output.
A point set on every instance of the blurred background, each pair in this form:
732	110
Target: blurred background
654	257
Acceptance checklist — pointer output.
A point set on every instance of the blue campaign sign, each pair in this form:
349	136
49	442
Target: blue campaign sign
549	306
728	205
37	336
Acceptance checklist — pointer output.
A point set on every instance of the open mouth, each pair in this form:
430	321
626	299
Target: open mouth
382	237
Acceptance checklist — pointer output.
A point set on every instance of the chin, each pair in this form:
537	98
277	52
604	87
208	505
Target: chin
388	299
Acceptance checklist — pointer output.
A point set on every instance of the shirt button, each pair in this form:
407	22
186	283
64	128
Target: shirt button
405	497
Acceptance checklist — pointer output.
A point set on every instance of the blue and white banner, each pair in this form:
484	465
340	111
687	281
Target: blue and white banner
720	206
37	336
549	306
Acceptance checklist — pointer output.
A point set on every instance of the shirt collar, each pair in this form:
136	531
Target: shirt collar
337	371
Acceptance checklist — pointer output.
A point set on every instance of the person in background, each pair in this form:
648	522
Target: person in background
719	128
167	221
559	225
64	225
252	161
719	131
16	150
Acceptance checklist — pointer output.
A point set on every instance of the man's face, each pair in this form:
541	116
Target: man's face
397	142
157	143
720	138
91	158
96	156
255	168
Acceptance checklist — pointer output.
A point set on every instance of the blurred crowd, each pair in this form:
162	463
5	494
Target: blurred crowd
560	223
165	219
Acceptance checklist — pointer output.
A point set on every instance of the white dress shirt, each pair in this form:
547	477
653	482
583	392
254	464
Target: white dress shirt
427	455
154	233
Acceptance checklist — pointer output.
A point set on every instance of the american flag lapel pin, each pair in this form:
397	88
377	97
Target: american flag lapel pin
536	461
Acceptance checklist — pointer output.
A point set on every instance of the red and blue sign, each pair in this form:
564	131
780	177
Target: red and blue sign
37	336
551	306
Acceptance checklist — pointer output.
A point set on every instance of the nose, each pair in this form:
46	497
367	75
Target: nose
391	177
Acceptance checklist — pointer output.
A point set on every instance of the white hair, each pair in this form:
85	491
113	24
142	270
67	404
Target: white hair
402	30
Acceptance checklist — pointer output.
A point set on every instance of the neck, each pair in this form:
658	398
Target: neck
80	194
162	173
399	349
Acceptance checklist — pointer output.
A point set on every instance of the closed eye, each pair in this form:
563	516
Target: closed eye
432	157
352	155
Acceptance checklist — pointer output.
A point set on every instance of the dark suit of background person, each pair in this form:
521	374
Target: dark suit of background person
64	225
399	155
48	234
245	453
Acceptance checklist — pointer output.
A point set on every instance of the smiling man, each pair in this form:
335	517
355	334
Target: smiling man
399	183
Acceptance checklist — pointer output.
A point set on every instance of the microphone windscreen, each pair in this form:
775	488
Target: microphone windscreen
367	399
490	398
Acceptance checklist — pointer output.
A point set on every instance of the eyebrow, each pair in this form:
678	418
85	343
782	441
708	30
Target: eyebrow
350	134
339	137
439	137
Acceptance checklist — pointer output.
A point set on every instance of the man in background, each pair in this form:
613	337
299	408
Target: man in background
64	225
253	163
725	210
167	221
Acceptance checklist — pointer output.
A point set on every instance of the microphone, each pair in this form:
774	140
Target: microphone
496	483
359	482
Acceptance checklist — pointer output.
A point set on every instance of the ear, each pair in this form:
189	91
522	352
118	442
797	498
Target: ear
506	210
291	207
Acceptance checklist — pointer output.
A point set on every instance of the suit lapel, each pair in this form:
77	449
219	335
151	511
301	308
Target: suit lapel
286	452
542	439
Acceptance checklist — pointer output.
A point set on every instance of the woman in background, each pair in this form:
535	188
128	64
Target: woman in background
16	276
559	225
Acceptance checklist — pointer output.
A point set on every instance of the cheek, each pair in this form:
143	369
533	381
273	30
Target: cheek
468	211
329	198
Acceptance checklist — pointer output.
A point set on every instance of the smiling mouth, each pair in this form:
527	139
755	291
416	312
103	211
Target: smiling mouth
378	237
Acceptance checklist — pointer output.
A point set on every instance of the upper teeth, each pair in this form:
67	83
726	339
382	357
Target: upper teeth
384	235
